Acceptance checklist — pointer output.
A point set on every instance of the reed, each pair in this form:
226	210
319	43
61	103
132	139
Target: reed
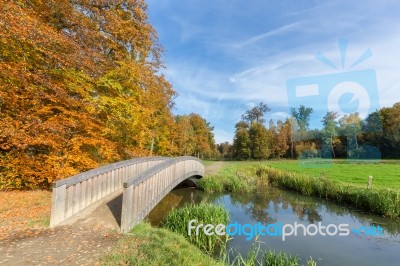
205	213
258	257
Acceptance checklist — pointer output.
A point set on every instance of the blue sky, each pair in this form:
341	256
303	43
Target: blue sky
223	57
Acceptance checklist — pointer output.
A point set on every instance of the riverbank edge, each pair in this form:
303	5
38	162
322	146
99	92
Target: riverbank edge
252	178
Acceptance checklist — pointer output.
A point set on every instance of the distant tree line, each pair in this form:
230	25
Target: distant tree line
347	136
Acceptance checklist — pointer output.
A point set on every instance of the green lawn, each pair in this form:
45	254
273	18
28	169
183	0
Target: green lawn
208	162
386	173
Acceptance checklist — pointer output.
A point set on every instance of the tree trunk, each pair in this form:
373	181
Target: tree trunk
291	148
291	145
333	152
152	147
355	138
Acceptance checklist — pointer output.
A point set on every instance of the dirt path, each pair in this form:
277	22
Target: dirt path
66	245
81	241
214	168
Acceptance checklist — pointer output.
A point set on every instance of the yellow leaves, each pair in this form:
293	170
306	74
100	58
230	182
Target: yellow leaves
79	91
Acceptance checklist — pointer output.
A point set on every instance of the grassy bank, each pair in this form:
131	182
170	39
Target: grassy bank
246	177
236	178
171	245
146	245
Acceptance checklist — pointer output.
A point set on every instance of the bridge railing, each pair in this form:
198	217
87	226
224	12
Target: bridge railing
75	193
143	192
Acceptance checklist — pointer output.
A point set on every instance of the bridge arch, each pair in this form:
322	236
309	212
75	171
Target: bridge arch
143	192
143	182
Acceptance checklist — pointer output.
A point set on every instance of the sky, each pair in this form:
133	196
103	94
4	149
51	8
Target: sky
223	57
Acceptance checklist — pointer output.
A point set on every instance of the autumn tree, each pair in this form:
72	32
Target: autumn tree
192	135
80	87
48	129
241	141
225	150
282	142
203	138
260	139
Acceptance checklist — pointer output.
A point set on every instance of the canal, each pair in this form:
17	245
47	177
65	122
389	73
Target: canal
276	206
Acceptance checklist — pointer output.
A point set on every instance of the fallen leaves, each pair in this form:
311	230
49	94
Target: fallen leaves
24	213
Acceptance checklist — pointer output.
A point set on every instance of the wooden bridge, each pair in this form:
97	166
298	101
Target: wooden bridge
144	182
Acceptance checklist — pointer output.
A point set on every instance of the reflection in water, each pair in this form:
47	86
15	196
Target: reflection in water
174	199
257	206
307	209
274	205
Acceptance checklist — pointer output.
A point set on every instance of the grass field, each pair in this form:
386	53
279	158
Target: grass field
386	173
208	162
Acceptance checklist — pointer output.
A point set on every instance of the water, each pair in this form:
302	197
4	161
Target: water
275	205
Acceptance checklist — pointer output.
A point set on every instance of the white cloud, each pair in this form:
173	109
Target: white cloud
232	71
271	33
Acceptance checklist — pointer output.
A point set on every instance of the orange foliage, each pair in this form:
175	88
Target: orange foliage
79	88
